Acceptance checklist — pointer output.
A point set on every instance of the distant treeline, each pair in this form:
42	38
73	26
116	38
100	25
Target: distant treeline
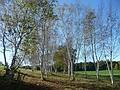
91	66
80	66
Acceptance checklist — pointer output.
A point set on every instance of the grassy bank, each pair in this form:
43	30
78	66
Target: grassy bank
60	81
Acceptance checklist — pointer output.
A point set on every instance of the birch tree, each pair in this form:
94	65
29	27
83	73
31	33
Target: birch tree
18	25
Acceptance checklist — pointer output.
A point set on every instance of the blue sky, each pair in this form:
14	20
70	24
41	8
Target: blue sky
94	3
88	3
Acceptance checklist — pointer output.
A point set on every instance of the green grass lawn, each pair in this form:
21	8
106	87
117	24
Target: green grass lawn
101	73
60	79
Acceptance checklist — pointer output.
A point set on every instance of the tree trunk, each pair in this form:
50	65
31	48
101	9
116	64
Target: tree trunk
41	68
112	79
85	61
72	72
64	69
85	67
111	67
69	69
41	71
13	62
4	52
97	70
110	73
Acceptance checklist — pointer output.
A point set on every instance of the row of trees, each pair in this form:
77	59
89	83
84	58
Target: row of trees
25	31
90	66
44	33
59	66
94	35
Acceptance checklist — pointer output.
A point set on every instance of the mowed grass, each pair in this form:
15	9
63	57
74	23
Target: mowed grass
61	81
101	73
104	76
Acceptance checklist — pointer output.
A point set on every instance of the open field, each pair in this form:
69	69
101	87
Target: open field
60	81
102	72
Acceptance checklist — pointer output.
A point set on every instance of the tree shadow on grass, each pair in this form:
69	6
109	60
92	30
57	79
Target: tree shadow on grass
6	84
74	85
